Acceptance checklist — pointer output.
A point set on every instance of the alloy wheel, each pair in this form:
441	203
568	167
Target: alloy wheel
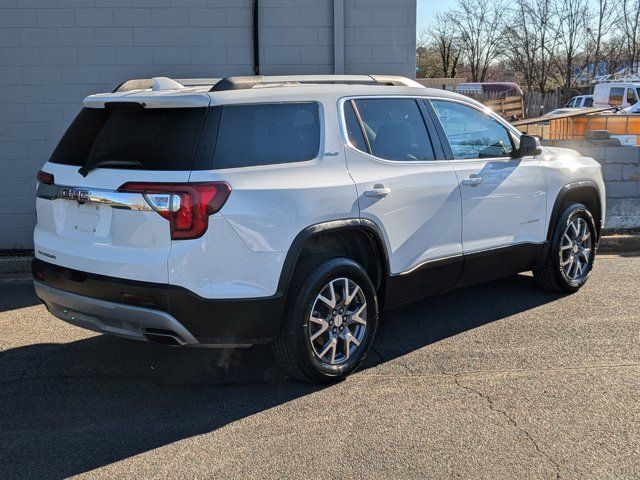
338	321
575	250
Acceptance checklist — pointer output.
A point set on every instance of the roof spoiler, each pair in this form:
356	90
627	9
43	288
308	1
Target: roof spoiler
163	83
246	82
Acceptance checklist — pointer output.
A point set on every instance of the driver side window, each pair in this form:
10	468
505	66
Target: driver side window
471	133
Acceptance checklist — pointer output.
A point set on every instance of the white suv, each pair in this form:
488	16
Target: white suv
292	210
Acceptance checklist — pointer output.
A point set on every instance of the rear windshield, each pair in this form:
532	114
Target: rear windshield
149	139
265	134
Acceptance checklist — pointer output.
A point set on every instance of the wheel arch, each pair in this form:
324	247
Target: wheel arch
355	238
585	192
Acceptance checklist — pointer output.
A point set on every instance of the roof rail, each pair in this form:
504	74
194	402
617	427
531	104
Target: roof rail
246	82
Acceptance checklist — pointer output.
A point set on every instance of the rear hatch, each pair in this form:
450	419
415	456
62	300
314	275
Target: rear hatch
86	220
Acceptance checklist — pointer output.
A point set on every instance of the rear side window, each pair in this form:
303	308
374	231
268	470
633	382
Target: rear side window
266	134
395	129
153	138
632	99
588	102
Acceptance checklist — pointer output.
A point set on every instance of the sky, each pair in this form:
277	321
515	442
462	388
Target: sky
427	10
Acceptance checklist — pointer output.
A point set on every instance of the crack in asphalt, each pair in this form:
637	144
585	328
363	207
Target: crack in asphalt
382	359
475	373
492	406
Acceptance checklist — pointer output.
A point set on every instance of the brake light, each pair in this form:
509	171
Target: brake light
186	206
45	177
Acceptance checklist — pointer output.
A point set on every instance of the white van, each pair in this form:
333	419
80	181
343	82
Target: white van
621	94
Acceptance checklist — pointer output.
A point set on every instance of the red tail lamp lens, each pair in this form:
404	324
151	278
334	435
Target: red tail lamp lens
187	206
45	177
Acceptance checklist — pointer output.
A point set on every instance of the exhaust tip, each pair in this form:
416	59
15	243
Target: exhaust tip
164	337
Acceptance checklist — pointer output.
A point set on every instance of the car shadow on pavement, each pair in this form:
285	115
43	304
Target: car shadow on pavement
70	408
14	294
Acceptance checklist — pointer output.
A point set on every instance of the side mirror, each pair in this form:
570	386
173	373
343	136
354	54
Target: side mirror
529	146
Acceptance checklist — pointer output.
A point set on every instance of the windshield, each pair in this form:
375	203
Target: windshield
132	137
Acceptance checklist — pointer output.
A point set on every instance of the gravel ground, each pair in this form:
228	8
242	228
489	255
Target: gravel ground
496	381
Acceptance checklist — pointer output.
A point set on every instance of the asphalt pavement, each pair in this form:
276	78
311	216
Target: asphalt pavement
495	381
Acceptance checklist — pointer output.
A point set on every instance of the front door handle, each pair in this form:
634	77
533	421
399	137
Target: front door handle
473	181
378	191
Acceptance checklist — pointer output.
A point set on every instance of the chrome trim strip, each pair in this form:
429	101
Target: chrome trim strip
481	108
111	198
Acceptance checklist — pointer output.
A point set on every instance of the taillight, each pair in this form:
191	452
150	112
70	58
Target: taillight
187	206
45	177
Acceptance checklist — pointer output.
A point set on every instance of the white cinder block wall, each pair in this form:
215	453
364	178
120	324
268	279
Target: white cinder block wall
55	52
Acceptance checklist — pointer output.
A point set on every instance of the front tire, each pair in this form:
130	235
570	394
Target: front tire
572	252
330	321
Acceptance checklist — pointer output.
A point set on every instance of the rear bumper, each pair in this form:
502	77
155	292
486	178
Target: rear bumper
131	308
108	317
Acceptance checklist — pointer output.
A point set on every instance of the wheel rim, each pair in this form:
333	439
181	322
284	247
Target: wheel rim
575	250
338	321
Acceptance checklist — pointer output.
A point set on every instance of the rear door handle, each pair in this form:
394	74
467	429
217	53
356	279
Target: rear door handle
473	181
378	191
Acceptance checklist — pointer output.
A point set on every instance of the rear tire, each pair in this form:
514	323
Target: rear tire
330	321
571	253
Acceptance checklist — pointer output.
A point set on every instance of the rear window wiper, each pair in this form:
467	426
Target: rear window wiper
84	170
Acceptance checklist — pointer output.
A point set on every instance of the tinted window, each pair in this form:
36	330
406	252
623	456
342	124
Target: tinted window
395	129
157	138
615	96
588	102
631	96
267	134
353	128
472	133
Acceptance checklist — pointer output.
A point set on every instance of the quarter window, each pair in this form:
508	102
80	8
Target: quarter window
394	128
472	133
266	134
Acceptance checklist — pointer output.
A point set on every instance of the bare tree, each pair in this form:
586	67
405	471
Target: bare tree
543	17
630	22
570	30
430	61
605	19
524	52
479	28
446	44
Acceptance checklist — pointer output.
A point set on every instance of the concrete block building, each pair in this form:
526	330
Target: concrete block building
55	52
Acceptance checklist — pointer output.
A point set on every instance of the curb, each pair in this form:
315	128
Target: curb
608	244
619	244
15	265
